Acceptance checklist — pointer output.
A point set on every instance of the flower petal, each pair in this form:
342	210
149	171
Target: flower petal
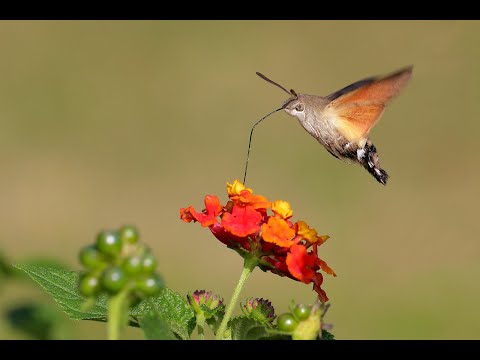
282	208
278	231
186	215
317	281
243	221
245	197
323	265
306	232
236	188
322	238
300	263
228	239
209	215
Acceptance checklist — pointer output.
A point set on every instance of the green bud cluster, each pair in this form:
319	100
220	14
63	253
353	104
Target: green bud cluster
205	303
117	261
303	322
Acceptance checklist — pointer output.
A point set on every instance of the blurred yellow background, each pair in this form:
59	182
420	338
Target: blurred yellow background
110	122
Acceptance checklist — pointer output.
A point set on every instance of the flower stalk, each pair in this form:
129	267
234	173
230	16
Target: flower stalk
117	314
249	264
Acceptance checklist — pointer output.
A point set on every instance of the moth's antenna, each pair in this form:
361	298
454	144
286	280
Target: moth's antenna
274	83
250	140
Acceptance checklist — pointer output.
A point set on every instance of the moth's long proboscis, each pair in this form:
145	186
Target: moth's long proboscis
250	141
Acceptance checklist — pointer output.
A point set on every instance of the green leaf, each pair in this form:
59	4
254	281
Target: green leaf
327	335
173	308
38	321
243	328
155	327
215	320
63	286
44	262
207	312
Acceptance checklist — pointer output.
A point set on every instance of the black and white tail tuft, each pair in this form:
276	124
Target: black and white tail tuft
368	157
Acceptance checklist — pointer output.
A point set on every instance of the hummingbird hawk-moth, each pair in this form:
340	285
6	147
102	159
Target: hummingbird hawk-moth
342	120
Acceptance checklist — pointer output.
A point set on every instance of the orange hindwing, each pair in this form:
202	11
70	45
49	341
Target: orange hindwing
357	107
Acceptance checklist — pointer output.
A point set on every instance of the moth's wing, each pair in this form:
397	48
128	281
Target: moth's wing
356	108
351	87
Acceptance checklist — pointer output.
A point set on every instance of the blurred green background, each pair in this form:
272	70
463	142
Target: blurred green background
110	122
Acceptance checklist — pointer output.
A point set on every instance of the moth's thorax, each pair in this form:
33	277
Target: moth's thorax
313	116
318	120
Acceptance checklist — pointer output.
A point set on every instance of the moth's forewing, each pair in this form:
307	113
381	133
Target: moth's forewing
357	108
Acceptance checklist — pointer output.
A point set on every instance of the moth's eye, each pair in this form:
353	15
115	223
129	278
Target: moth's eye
299	107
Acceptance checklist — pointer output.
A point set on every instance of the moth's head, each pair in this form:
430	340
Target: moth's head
295	106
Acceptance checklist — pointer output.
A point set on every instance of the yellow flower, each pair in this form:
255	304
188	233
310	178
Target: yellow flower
236	188
306	232
282	208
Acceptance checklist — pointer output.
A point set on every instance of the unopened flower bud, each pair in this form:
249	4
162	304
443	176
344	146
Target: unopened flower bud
200	299
260	310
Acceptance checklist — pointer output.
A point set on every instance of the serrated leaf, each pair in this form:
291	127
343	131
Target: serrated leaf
243	328
215	321
44	262
207	312
155	327
63	286
173	308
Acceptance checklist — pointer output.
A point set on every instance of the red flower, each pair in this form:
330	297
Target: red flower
243	221
208	216
186	215
317	281
280	246
301	264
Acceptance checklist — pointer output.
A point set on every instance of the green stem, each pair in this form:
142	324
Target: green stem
248	266
200	326
117	314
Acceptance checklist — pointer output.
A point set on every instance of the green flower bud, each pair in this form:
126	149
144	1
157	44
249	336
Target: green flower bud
128	234
260	310
205	302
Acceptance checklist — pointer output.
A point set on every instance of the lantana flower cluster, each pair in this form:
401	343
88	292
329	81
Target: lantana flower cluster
254	226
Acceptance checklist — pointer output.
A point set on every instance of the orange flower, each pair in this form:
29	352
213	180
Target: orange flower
243	221
278	231
244	196
323	265
247	198
282	209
